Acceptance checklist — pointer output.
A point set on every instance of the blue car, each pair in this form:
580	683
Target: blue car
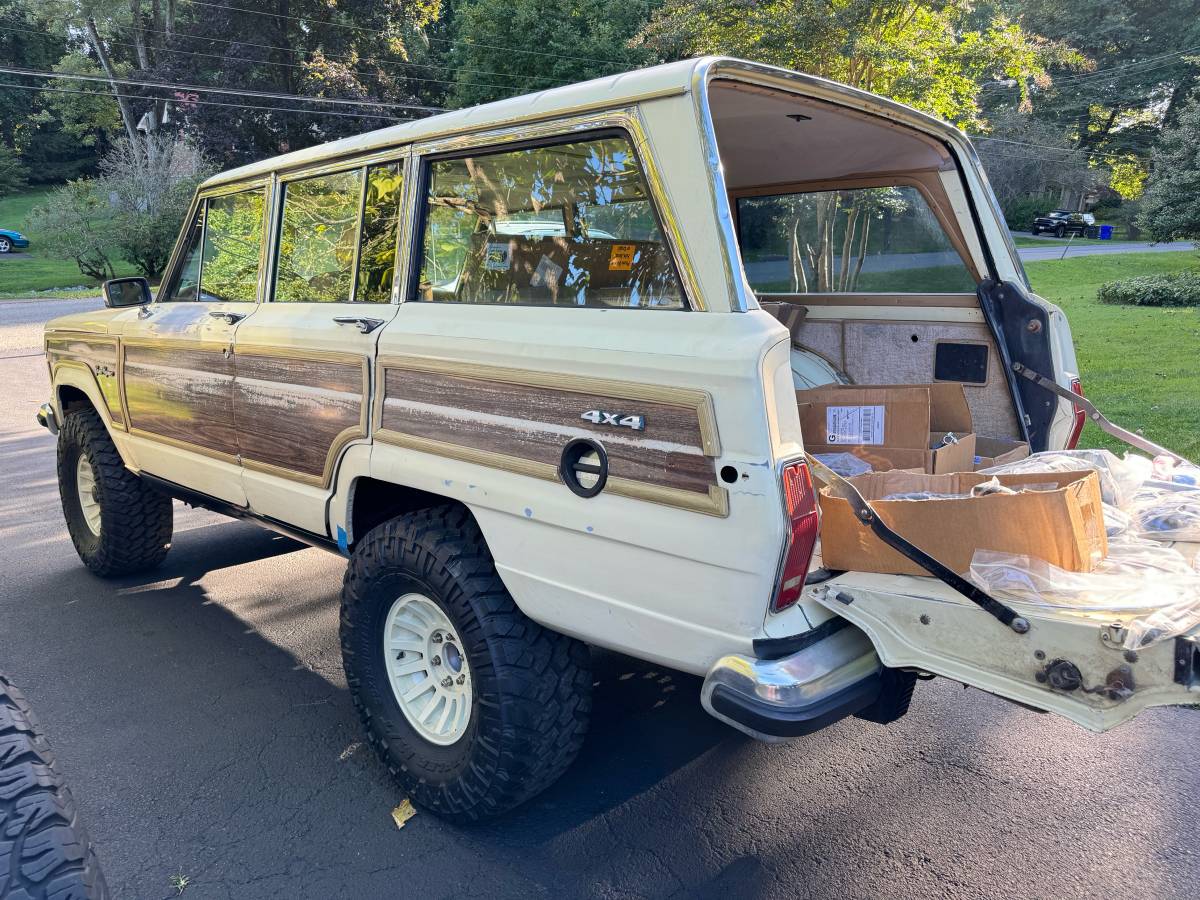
12	240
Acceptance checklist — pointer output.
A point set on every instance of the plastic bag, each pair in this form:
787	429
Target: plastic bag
845	464
983	489
1151	589
1119	478
1167	515
1116	520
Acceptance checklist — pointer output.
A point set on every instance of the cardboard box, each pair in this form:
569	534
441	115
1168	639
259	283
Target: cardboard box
998	451
1063	524
891	426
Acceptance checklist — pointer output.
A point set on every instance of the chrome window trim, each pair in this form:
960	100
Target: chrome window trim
627	120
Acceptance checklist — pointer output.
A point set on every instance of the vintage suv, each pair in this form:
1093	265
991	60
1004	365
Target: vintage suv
514	362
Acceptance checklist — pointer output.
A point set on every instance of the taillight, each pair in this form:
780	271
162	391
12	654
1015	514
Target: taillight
803	526
1080	417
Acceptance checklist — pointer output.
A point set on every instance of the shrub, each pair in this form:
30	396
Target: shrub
1175	289
75	223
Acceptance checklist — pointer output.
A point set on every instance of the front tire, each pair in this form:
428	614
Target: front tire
422	605
1060	232
44	851
5	245
118	523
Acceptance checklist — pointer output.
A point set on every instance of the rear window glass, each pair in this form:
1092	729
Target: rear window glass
565	225
862	240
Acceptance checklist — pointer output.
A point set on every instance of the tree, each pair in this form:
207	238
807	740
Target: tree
508	47
75	224
934	55
12	173
149	189
1171	203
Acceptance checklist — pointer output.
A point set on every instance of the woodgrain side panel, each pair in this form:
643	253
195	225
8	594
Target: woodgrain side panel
293	414
182	393
99	355
525	426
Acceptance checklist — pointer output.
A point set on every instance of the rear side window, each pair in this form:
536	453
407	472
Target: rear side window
377	246
232	247
570	224
864	240
317	238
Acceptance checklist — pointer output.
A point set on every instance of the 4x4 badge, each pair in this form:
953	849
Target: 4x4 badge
600	417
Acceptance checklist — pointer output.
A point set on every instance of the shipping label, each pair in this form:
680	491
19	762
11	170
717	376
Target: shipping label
854	424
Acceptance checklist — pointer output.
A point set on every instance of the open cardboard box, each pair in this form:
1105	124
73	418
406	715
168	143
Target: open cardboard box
891	426
998	451
1058	518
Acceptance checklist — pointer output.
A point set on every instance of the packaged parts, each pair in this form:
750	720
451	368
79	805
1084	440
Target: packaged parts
1152	591
1119	478
1166	515
1057	516
845	464
923	426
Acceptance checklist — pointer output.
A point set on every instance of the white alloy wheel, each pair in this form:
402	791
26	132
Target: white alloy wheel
427	669
85	487
5	245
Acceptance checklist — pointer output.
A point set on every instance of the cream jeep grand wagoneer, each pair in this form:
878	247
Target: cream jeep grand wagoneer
517	364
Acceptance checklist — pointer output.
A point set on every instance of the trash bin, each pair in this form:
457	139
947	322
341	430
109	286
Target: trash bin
1092	232
1106	232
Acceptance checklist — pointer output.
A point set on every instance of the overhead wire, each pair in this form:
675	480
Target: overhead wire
268	62
107	95
170	86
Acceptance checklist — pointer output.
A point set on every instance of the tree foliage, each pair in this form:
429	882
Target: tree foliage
935	55
1171	203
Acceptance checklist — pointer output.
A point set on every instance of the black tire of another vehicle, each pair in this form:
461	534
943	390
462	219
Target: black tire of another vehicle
531	686
1060	231
44	851
136	520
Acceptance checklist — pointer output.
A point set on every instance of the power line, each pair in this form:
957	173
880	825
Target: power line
1103	73
1068	150
267	95
343	57
268	62
106	95
375	31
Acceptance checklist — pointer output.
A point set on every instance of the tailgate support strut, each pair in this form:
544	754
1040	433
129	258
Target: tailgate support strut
1121	434
865	514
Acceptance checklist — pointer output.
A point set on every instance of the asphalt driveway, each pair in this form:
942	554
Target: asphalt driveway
201	717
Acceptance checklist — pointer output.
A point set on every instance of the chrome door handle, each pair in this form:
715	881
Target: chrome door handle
365	325
230	318
145	312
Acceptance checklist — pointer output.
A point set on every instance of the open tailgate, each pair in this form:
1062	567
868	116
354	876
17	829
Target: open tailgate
1072	665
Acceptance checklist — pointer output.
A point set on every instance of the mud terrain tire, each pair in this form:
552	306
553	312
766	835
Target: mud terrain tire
531	686
135	521
44	851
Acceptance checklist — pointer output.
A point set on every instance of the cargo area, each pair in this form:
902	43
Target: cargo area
858	233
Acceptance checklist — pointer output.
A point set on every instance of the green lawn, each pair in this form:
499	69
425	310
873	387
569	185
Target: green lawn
1028	240
1140	365
35	271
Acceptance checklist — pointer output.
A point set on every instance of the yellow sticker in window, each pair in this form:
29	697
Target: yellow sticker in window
620	258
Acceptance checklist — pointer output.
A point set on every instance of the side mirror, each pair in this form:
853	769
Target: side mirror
122	292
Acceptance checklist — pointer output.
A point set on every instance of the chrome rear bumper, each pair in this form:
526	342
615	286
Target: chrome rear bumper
773	700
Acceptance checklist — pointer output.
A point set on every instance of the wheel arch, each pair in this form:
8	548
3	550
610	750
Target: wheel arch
373	501
75	387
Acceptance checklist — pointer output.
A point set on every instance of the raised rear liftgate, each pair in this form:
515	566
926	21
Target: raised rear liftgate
1065	663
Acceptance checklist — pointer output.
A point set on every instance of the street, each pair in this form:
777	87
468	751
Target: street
201	718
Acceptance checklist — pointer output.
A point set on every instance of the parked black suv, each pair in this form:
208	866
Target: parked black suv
1061	222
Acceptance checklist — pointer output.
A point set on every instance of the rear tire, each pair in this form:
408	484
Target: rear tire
529	687
44	851
118	523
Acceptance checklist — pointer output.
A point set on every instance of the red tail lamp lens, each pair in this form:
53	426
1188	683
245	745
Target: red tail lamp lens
804	526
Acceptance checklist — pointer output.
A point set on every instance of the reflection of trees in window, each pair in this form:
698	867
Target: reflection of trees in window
232	244
381	215
884	238
316	240
184	283
539	225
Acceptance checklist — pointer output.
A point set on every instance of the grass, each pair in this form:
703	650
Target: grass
1139	365
1028	240
22	274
